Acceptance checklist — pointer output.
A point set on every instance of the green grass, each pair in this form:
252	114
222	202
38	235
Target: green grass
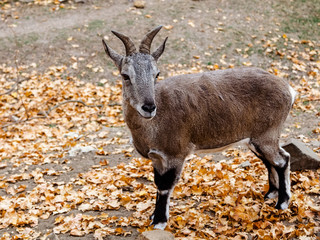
306	27
30	38
96	25
301	17
130	22
62	35
26	39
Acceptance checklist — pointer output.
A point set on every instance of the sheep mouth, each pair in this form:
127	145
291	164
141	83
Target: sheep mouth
147	114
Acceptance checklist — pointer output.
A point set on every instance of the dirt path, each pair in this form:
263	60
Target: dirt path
35	22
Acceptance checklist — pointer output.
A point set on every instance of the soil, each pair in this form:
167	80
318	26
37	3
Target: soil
203	30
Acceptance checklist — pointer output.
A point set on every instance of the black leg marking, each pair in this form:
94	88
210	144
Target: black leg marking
278	165
165	181
284	184
283	197
160	212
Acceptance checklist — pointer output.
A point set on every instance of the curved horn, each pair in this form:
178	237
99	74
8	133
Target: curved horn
147	40
129	45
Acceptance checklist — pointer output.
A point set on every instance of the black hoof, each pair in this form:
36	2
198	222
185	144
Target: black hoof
283	205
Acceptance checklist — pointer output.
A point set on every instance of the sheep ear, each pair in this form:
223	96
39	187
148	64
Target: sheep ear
157	53
116	58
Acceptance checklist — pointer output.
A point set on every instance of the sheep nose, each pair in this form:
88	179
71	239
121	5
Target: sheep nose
148	107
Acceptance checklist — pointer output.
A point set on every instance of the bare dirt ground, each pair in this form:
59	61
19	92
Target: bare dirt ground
203	35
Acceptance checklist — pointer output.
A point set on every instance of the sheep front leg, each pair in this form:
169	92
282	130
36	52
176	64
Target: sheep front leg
165	183
167	171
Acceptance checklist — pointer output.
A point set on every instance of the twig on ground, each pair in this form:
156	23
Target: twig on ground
13	88
10	90
70	101
114	104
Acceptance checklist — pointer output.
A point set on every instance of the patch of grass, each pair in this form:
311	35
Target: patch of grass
30	38
296	112
61	34
95	24
260	51
26	39
302	17
306	27
177	45
106	61
130	22
237	35
173	11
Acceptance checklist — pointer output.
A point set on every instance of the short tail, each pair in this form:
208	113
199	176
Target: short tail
293	95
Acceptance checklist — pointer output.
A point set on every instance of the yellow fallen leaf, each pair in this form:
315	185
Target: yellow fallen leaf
168	27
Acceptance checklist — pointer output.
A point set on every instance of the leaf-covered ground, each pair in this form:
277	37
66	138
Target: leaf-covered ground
59	94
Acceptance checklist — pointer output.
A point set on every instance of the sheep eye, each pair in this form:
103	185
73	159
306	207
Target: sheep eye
125	77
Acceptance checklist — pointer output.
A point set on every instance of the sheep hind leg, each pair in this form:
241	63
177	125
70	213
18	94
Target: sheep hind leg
273	177
284	181
277	161
272	173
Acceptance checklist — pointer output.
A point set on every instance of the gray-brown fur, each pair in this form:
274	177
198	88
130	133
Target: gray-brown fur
210	110
172	118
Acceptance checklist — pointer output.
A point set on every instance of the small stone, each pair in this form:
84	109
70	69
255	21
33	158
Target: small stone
72	135
245	164
155	235
139	4
302	157
74	151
